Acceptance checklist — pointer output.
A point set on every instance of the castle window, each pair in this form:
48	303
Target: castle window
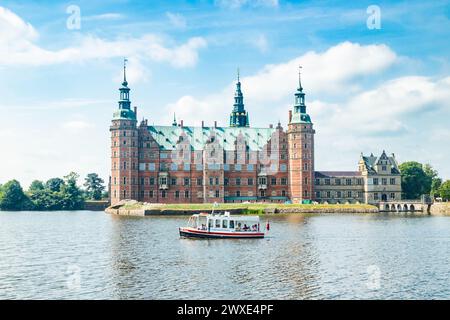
359	181
305	193
115	194
306	146
151	166
174	167
375	181
163	194
199	181
384	181
375	196
283	193
305	167
283	181
338	194
283	167
152	181
262	193
124	193
173	181
217	180
237	167
124	133
238	181
199	167
186	181
250	181
306	180
392	180
211	181
187	167
348	182
337	182
142	181
225	181
226	167
383	168
349	194
327	181
317	194
328	194
124	165
317	182
186	193
177	194
273	181
124	142
124	180
392	195
249	167
217	193
142	193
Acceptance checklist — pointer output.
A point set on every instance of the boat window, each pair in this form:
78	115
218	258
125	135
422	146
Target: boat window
231	224
224	223
239	226
210	223
217	223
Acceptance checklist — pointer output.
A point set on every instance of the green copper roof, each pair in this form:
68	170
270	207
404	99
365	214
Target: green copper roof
124	114
298	117
168	136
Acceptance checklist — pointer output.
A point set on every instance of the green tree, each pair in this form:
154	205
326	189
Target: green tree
435	180
94	186
47	200
54	184
72	196
415	182
36	186
444	190
13	198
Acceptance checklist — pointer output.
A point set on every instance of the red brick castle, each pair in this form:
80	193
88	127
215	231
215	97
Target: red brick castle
183	164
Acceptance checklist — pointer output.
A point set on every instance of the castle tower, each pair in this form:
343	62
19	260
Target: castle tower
124	147
301	150
239	117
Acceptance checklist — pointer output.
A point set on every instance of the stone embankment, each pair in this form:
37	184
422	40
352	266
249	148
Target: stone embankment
440	209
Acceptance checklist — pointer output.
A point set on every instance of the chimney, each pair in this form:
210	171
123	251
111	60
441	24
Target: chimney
215	124
203	123
181	123
270	126
135	111
290	115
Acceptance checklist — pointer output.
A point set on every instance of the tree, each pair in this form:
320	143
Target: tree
54	184
47	200
94	186
13	198
72	196
415	182
36	186
435	180
444	190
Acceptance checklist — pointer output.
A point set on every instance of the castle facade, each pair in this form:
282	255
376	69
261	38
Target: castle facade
184	164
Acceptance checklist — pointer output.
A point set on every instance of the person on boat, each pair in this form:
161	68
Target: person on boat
238	228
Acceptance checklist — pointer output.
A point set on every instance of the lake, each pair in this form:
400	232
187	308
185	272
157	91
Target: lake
93	255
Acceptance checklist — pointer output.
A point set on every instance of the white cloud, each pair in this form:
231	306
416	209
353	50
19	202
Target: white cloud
269	92
76	125
104	16
177	20
18	47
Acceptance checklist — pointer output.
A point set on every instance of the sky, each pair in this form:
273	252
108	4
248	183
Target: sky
374	80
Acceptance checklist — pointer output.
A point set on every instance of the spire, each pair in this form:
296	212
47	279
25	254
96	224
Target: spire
125	83
299	114
174	123
239	117
300	88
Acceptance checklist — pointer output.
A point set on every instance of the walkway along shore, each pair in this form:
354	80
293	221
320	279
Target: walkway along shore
134	208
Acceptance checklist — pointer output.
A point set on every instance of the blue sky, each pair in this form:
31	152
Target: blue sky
367	89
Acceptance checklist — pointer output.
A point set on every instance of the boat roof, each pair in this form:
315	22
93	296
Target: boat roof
233	217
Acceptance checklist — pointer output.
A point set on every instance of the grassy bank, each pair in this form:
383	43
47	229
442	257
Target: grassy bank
253	208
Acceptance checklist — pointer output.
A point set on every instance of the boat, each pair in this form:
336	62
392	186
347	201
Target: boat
206	225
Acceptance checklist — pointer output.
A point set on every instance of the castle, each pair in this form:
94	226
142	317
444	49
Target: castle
183	164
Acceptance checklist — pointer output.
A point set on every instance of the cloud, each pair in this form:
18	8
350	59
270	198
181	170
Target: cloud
236	4
177	20
104	16
269	92
18	47
76	125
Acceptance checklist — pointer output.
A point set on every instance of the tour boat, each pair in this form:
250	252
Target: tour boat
205	225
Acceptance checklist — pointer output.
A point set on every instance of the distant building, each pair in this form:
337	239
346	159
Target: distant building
184	164
377	179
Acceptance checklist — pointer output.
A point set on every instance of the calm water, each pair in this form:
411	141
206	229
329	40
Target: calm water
93	255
